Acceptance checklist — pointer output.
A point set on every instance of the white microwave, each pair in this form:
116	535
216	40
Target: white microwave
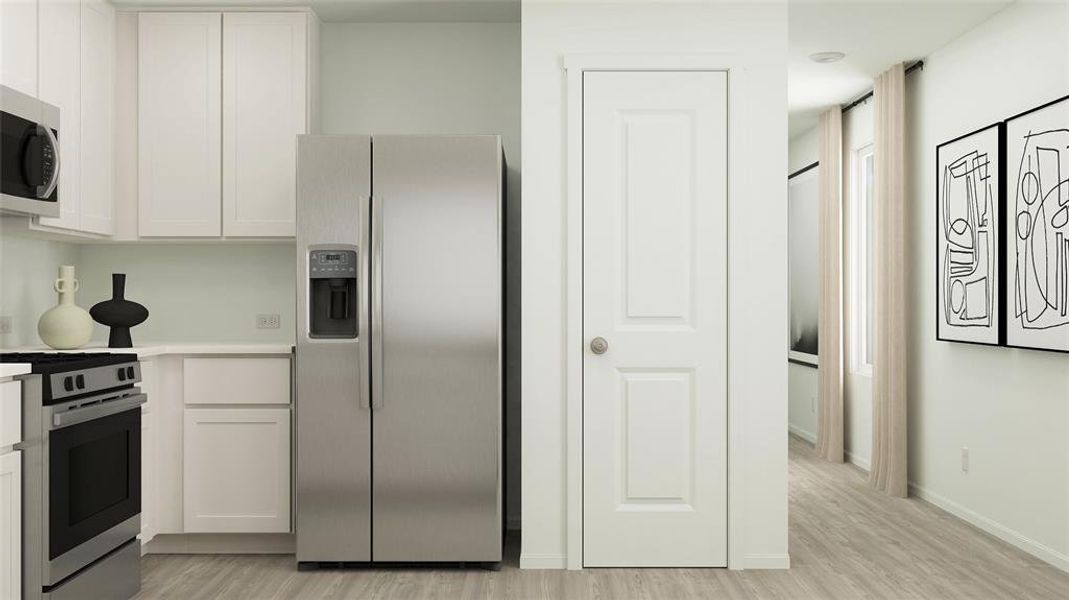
29	155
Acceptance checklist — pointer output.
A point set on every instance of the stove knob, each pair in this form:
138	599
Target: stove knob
122	374
80	382
68	383
129	372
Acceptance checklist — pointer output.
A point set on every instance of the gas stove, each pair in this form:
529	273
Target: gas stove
69	376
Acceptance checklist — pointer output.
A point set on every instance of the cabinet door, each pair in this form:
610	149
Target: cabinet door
149	454
179	104
11	525
18	45
237	470
265	58
98	59
60	84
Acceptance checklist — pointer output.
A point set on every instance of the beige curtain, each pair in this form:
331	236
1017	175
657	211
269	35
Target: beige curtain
889	437
830	350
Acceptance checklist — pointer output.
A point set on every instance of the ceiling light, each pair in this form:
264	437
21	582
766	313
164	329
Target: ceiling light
827	57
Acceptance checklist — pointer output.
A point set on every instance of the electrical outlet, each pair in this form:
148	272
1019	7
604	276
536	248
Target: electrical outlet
964	459
813	404
267	321
6	324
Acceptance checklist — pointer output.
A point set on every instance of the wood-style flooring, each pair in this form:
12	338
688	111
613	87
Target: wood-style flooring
846	541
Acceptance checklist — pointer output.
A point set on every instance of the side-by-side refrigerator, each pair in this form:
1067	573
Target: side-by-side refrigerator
399	342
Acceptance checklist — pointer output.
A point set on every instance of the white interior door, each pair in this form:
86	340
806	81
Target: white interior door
655	289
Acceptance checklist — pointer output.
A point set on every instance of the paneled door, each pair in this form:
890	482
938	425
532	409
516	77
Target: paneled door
654	319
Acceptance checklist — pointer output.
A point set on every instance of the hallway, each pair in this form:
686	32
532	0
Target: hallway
847	542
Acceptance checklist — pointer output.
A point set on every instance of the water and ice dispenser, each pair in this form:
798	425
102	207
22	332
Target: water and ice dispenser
332	294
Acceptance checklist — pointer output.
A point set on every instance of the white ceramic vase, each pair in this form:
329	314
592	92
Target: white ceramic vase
66	325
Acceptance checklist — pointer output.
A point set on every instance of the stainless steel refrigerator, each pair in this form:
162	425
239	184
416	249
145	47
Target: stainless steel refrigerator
399	343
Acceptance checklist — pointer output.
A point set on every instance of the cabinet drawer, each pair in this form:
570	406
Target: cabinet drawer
236	380
10	413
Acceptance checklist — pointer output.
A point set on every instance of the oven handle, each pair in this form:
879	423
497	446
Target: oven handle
96	411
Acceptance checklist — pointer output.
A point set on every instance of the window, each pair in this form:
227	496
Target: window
861	288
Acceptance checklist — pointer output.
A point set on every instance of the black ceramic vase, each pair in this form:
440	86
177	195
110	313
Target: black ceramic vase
119	313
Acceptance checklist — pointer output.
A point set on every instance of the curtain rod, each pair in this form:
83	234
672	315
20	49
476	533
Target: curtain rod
914	67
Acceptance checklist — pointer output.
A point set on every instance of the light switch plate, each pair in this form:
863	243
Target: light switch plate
6	325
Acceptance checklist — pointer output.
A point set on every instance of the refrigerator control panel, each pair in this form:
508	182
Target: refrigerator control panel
332	263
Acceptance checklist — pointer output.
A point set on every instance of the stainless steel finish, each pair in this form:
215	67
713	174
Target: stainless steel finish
118	576
96	378
437	436
16	103
598	345
44	191
76	558
377	216
333	431
365	304
76	412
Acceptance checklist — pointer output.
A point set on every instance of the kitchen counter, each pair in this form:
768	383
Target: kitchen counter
12	369
161	349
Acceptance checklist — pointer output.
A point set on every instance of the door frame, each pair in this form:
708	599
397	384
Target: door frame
575	65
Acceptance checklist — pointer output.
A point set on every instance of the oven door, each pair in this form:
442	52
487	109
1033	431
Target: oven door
29	155
94	483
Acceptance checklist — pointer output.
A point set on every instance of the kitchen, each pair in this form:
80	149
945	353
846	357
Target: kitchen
162	182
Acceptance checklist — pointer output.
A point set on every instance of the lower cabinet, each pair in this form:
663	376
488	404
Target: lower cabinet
11	525
236	471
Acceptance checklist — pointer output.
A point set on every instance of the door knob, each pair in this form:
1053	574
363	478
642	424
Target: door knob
598	345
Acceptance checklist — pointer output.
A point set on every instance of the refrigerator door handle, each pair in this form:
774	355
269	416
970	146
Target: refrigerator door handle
376	303
365	303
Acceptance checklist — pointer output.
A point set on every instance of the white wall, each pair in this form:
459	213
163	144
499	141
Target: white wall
802	151
1009	407
757	32
438	78
196	292
28	268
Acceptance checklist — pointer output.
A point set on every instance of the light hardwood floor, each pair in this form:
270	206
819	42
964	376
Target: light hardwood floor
846	541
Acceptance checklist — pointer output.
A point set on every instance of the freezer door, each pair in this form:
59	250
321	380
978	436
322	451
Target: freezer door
333	415
437	415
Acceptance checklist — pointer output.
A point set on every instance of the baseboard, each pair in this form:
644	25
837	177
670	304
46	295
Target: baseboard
512	523
861	463
805	435
766	561
542	561
1040	551
222	543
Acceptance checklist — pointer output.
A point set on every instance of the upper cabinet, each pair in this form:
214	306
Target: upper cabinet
75	53
221	100
18	45
179	76
265	87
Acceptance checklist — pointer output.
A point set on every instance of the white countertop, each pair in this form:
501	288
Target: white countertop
159	349
13	369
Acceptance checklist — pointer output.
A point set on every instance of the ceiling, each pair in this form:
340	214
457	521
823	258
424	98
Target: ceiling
381	11
874	34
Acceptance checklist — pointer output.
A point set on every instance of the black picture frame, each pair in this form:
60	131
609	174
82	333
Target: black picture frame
968	334
1010	219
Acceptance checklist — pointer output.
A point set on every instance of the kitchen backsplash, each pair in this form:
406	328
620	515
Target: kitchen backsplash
194	293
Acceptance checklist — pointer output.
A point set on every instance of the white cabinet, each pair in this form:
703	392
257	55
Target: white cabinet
76	54
18	45
59	84
236	380
265	87
179	114
221	100
97	157
11	525
10	414
236	470
150	463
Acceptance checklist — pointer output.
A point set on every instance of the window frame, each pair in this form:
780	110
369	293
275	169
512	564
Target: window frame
861	253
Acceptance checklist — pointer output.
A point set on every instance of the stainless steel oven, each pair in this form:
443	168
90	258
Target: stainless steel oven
29	155
82	475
